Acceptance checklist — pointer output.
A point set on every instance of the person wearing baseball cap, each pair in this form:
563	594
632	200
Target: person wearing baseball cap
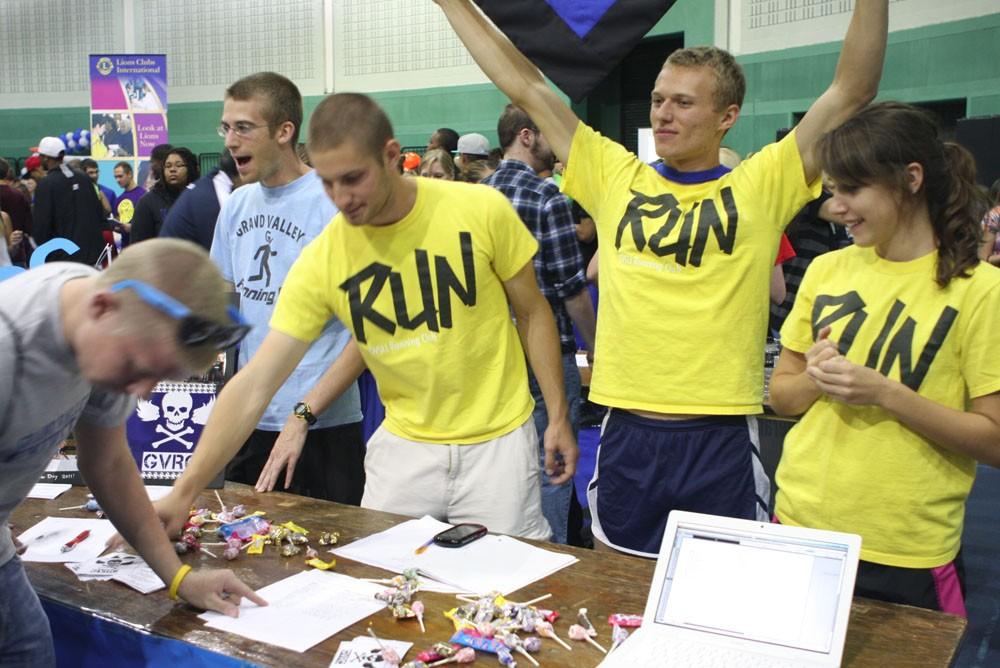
66	206
471	154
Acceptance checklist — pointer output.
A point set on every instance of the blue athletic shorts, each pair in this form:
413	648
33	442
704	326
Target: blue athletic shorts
646	468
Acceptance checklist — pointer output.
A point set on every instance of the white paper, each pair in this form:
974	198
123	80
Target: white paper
157	492
45	539
67	463
492	563
129	569
302	610
364	652
47	490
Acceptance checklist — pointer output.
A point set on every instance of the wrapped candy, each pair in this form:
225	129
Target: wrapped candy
627	621
438	651
464	655
329	538
506	658
474	640
532	644
230	553
290	550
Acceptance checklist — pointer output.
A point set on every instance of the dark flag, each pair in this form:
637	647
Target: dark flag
576	43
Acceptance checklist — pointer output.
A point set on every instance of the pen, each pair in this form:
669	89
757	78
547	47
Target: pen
423	548
76	541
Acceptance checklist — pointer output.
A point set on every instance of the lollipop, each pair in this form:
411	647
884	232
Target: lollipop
388	653
418	610
577	632
532	644
543	628
464	655
618	635
515	643
582	620
505	657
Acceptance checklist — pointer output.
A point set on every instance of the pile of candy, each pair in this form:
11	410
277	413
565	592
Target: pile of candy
398	598
239	531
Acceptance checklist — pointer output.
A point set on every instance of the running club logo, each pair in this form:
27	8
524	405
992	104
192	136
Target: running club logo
434	275
174	418
693	226
894	344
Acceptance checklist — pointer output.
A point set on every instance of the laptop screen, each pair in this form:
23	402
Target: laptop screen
770	589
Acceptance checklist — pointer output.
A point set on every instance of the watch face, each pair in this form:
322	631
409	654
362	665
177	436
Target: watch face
300	410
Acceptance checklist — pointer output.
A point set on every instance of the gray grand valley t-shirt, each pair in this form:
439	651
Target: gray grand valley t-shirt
42	393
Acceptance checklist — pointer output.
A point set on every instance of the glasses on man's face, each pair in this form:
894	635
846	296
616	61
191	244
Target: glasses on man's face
195	330
242	129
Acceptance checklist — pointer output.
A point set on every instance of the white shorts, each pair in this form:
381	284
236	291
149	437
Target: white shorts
495	483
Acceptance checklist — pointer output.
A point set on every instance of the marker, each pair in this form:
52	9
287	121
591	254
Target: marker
76	541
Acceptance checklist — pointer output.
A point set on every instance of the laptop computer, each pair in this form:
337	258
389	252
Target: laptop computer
729	592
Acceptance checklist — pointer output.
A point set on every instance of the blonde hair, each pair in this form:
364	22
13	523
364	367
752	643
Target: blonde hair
441	157
730	84
177	268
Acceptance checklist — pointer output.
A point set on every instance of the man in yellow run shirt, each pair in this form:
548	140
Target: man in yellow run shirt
424	273
686	251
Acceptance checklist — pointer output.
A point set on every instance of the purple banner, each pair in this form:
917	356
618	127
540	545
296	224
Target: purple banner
128	105
163	431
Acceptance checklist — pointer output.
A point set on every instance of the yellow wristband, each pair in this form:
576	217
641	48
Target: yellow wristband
175	585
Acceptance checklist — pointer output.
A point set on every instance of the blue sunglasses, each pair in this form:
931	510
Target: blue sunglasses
195	330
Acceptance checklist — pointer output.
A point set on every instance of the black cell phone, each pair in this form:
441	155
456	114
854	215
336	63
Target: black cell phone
459	535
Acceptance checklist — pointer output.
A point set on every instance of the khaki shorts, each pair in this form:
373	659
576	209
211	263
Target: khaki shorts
495	483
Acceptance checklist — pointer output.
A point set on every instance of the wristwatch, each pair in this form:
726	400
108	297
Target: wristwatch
303	412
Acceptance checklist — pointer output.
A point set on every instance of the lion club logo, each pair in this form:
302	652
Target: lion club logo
104	66
176	411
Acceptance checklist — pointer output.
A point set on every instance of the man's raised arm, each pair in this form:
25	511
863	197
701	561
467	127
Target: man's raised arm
855	83
516	76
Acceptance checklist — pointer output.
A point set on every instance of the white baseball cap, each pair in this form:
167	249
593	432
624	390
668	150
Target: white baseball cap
473	144
51	146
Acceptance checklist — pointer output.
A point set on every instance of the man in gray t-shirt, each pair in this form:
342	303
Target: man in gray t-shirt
76	345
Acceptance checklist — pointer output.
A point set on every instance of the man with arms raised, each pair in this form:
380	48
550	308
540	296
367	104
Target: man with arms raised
686	252
424	272
78	343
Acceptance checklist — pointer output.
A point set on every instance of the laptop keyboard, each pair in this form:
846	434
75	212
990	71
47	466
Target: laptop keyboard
661	652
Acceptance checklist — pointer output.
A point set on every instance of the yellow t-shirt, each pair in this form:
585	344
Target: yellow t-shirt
684	275
424	299
856	468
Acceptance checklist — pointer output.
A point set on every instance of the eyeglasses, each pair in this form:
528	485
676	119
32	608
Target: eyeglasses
242	129
195	330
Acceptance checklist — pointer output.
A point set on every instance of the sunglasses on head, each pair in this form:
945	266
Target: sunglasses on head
195	330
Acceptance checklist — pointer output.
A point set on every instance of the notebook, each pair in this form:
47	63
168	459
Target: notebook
729	592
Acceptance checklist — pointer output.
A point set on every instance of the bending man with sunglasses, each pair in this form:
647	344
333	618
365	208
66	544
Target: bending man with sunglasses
78	344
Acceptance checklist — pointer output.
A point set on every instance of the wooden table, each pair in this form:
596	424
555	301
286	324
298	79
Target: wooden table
880	634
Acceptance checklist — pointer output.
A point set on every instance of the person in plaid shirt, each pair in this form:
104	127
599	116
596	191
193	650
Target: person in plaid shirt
559	269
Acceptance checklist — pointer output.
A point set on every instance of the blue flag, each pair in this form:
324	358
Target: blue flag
576	43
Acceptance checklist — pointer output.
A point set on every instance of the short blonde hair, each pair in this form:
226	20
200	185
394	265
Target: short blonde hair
730	84
180	269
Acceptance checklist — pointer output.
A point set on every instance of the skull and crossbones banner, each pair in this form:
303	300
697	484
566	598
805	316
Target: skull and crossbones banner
165	428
